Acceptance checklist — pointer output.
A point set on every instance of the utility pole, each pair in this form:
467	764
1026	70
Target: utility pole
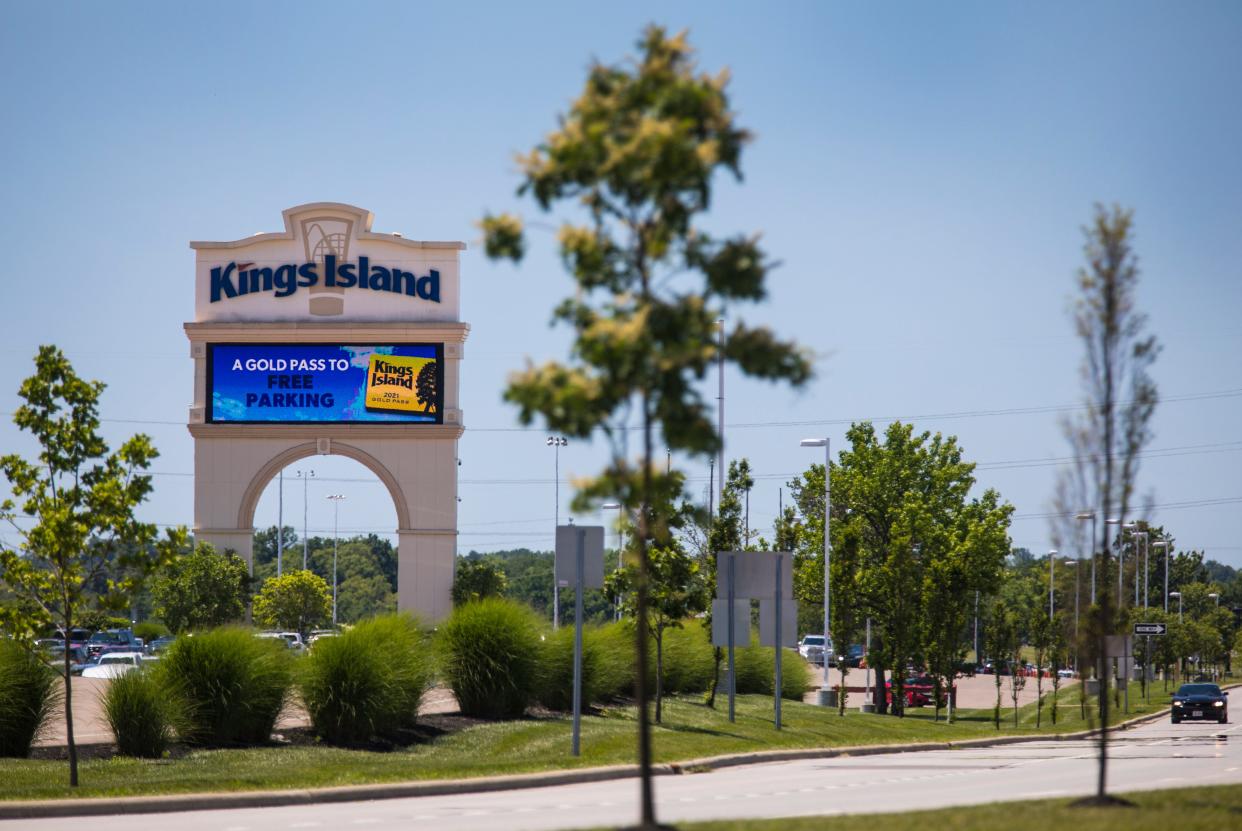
305	476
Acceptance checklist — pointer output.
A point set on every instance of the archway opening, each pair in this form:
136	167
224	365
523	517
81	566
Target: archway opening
334	510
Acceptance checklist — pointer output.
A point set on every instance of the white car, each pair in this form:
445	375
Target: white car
811	647
292	639
114	665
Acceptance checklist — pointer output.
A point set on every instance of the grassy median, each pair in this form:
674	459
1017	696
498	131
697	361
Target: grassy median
690	731
1186	809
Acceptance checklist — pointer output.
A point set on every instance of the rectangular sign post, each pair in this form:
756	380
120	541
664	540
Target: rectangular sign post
1147	630
580	561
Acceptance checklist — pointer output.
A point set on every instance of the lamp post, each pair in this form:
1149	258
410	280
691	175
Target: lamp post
1165	545
827	445
1076	573
336	504
280	523
556	442
1052	552
1216	597
616	506
1091	516
1121	561
305	476
1178	595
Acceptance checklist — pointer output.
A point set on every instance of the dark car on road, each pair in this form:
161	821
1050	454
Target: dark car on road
1200	701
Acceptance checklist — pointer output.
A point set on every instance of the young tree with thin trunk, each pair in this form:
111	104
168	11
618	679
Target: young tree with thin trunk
1120	397
73	510
636	156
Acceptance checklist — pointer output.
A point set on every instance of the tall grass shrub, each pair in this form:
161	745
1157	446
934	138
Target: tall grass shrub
489	655
613	644
688	660
556	668
29	692
368	681
229	685
141	716
756	668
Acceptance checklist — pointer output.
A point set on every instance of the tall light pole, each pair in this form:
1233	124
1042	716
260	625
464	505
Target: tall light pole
280	523
616	506
1091	516
1146	567
336	504
305	476
1121	561
556	443
1178	595
827	445
1165	545
1077	572
1052	553
1216	597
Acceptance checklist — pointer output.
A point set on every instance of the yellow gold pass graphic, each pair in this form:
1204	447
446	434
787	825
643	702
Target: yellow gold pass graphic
401	384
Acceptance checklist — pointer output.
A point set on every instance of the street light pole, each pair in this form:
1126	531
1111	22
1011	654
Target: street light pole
556	442
609	506
1121	561
827	445
280	523
1165	545
1091	516
305	476
1077	572
1178	595
336	503
1052	553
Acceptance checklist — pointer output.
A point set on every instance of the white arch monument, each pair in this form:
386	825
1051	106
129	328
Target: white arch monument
330	338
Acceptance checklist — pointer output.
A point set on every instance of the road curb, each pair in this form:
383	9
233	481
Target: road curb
93	806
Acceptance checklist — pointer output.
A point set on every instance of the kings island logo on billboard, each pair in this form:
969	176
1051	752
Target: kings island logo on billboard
235	280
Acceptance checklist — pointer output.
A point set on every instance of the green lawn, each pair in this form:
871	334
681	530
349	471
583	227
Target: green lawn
1187	809
690	731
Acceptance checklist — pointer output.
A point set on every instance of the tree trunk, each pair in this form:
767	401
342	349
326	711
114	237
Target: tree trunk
73	748
843	666
717	655
1039	697
881	695
659	641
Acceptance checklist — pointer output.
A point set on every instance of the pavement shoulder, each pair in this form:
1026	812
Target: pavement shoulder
102	806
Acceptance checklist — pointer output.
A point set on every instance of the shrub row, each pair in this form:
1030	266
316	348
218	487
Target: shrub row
29	691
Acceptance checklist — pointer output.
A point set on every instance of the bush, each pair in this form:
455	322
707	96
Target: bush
756	671
229	685
556	668
149	630
140	715
489	653
29	691
613	645
367	681
688	661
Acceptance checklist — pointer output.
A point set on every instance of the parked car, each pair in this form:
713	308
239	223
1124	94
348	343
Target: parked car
320	634
114	664
811	647
112	640
1200	701
291	639
1066	672
160	644
919	691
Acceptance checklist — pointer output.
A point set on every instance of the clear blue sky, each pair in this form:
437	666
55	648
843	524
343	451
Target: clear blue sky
921	170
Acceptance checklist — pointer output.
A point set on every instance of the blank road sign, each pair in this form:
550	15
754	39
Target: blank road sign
754	573
720	623
592	555
767	622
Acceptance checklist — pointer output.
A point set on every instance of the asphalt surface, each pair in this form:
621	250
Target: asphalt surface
1153	756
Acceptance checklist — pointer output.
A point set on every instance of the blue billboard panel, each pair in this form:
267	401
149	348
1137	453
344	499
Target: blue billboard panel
319	383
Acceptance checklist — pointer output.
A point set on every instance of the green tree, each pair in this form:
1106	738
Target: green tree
725	533
638	152
361	597
1120	396
676	593
1001	641
476	579
79	498
202	589
297	601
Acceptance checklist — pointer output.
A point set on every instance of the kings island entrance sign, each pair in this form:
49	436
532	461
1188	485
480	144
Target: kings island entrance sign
328	338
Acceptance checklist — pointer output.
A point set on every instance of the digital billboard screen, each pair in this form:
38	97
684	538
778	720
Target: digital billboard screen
319	383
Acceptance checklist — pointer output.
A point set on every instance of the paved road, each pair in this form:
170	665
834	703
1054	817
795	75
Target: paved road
1154	756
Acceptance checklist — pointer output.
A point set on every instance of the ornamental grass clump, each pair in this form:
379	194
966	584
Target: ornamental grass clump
367	681
614	667
556	671
229	685
140	714
756	671
489	655
688	660
29	692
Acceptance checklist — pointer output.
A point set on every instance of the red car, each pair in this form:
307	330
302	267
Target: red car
919	692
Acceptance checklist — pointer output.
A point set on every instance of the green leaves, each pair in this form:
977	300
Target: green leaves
502	237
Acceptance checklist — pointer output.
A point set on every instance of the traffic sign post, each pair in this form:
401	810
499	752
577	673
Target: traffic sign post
1151	629
579	562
